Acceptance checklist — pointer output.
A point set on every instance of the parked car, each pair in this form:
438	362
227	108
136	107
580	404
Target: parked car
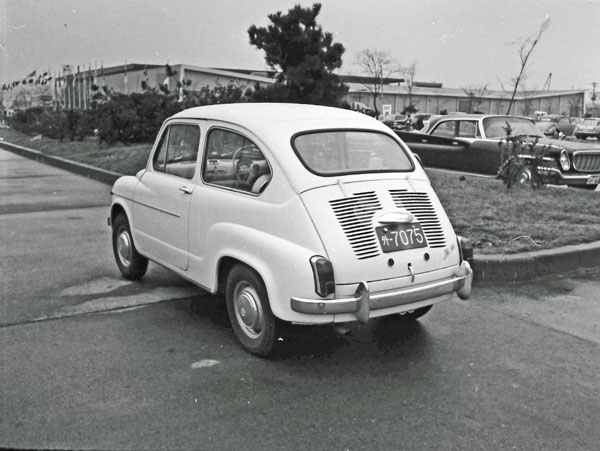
420	121
297	213
396	121
589	128
470	142
553	124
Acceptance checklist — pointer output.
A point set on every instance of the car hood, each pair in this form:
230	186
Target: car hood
346	215
569	145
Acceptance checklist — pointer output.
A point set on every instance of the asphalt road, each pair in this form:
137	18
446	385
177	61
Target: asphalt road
91	361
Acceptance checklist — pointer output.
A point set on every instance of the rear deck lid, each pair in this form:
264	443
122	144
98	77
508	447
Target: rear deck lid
382	229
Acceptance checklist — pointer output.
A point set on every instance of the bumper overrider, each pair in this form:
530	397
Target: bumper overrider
363	301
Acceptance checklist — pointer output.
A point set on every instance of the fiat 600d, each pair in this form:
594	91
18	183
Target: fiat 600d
297	213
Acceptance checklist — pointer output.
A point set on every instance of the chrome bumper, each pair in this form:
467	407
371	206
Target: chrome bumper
363	301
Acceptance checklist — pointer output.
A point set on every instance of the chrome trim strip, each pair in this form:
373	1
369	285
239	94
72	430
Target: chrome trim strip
157	209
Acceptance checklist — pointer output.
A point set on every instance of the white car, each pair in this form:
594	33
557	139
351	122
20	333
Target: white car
297	213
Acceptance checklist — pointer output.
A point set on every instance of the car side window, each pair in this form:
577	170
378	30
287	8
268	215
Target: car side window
446	128
158	163
467	129
178	150
233	161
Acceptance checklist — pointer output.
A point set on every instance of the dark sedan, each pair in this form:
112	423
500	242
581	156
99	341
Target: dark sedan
553	124
471	143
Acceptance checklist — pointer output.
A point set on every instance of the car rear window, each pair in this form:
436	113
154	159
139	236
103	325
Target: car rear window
337	152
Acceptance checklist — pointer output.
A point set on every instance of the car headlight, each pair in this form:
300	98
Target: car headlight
564	161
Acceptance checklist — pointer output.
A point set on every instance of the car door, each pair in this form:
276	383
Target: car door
162	196
438	149
481	155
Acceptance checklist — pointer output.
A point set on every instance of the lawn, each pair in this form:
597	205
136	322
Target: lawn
497	220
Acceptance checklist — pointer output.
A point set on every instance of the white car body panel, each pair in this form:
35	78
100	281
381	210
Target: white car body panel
276	232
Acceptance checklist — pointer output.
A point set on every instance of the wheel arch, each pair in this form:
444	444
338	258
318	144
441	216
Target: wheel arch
117	209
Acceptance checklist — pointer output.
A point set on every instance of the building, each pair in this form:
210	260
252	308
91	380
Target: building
434	98
76	88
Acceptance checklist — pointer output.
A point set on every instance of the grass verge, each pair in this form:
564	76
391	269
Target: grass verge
497	220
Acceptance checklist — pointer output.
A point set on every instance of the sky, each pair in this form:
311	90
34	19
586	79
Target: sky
460	43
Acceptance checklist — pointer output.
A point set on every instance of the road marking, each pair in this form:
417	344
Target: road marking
112	303
103	285
206	363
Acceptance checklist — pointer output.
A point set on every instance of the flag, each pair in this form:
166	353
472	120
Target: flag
125	81
67	68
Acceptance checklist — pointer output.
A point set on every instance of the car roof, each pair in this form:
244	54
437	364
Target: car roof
472	116
276	123
268	115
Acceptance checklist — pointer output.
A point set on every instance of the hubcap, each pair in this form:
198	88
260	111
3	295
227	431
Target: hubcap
248	309
524	176
124	248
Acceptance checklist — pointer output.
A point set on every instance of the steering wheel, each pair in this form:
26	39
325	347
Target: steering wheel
243	167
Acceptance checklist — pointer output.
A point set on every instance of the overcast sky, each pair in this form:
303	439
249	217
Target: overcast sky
460	43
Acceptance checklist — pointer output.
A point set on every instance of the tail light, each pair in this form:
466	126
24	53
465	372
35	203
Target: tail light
323	274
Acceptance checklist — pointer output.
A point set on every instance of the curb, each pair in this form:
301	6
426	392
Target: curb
530	265
91	172
486	268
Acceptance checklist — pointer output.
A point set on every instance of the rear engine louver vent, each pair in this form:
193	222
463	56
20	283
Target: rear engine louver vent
355	215
420	205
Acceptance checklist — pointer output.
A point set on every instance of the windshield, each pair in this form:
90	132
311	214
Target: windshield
590	121
496	127
337	152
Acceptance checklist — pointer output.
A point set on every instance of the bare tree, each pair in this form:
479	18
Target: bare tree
379	66
528	94
525	47
475	94
409	75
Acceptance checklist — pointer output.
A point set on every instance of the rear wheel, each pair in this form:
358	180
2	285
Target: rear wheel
249	311
131	264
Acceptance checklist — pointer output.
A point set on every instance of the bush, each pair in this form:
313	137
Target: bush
54	124
134	118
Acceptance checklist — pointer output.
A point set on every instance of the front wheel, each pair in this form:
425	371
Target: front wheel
131	264
249	311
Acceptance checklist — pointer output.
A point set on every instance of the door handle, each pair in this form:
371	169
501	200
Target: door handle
185	189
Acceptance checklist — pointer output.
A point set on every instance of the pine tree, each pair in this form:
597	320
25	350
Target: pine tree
304	56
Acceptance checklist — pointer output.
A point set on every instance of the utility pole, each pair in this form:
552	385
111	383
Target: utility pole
594	83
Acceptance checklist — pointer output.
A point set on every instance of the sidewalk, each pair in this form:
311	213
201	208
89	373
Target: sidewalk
486	268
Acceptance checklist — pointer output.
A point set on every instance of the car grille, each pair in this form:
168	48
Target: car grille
355	215
421	207
586	161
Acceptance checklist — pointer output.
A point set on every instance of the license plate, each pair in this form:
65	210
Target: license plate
593	180
400	237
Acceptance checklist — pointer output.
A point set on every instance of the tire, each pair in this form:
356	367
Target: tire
249	311
524	176
131	264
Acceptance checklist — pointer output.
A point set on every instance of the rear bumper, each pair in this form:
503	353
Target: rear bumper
364	301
